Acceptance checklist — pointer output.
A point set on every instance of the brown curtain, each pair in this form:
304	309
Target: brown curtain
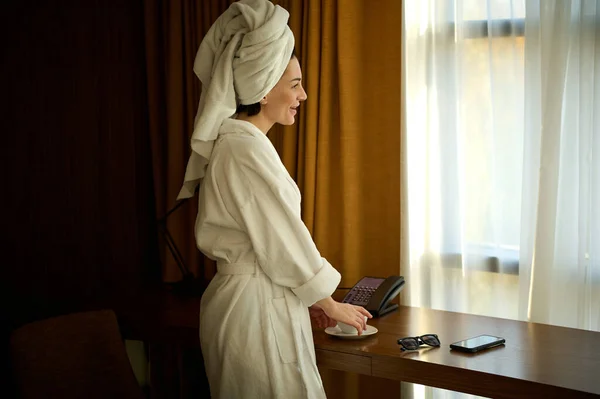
174	30
77	202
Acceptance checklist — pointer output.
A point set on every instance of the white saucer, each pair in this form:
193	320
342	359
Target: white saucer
336	332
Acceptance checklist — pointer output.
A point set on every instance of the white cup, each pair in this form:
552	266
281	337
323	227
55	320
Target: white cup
347	328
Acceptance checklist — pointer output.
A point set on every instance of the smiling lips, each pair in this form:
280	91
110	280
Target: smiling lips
295	108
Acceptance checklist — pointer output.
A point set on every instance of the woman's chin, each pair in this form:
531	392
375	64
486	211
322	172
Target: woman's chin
288	121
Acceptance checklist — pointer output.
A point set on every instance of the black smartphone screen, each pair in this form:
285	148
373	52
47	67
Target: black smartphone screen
477	343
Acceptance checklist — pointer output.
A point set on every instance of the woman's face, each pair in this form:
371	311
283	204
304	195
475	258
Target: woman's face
281	103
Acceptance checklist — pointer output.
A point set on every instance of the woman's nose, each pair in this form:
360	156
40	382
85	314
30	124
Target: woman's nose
303	95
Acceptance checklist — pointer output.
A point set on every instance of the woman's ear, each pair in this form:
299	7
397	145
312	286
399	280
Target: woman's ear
263	101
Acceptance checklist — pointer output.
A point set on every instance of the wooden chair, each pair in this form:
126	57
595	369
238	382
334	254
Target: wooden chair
80	355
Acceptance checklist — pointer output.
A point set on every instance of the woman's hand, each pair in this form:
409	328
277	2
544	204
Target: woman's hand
346	313
319	318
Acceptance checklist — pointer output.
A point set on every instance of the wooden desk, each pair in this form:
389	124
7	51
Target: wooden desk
537	361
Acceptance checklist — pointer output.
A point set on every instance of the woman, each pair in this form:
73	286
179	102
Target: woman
255	329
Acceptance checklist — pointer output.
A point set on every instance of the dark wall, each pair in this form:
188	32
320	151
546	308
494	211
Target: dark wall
77	197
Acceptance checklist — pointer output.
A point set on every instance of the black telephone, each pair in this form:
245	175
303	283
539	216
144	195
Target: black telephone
375	294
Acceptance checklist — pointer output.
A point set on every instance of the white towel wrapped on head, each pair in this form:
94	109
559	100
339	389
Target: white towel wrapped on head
241	58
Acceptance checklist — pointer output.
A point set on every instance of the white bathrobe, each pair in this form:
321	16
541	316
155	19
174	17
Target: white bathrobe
255	329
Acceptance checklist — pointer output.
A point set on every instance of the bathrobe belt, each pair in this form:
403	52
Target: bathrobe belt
239	268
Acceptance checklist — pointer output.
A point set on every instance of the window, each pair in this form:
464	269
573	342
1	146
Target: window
465	107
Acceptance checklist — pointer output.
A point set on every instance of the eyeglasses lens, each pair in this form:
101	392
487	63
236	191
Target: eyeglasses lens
430	340
410	343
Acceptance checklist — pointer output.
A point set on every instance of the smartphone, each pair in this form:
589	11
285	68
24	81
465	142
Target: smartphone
478	343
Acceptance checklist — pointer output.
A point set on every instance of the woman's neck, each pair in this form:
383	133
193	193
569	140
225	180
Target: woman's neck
257	120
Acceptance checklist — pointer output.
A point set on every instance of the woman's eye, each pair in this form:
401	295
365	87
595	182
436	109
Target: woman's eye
295	86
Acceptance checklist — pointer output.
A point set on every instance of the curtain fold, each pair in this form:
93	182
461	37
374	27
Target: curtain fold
404	214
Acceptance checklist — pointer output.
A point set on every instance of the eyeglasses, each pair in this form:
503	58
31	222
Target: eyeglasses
412	343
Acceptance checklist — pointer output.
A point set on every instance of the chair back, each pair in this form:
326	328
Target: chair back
80	355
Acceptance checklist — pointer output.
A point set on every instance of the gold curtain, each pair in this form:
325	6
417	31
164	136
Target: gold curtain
344	150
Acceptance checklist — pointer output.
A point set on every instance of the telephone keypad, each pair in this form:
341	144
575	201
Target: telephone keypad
360	295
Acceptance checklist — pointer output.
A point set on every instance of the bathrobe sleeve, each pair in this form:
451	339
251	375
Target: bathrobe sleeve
266	204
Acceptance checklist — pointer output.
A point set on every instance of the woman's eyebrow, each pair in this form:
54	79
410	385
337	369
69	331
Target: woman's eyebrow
296	79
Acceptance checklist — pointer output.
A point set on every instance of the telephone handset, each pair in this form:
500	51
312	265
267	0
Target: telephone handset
375	294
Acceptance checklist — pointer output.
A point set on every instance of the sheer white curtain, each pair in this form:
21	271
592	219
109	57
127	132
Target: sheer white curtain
503	158
465	120
560	228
